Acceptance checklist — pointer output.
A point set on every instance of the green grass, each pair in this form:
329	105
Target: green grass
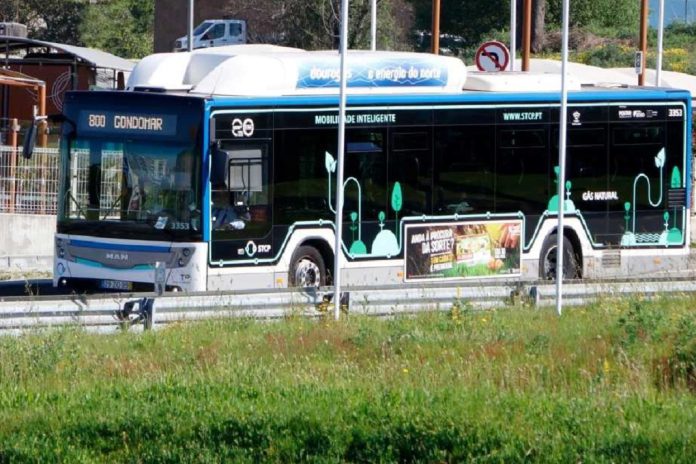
612	382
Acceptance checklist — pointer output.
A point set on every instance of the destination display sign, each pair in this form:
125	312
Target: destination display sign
365	71
463	250
127	123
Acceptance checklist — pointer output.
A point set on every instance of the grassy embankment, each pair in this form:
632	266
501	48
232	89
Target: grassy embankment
618	48
613	382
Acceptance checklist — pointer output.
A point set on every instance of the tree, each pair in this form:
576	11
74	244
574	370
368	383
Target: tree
50	20
613	14
476	20
122	27
538	23
471	19
314	24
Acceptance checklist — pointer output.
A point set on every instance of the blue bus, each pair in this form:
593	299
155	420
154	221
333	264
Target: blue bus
221	164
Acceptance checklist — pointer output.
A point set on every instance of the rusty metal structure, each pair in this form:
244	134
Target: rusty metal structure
24	62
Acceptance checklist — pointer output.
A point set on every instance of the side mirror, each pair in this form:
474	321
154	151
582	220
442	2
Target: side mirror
30	137
219	166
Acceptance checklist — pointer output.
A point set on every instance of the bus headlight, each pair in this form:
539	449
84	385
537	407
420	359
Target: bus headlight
181	262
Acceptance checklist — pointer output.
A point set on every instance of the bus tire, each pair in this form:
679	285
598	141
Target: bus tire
547	261
307	268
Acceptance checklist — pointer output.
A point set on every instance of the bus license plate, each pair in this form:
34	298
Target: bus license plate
115	285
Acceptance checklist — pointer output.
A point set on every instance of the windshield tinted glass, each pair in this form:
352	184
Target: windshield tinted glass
150	187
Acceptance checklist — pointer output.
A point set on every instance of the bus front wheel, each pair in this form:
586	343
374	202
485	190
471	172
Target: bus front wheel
549	254
307	268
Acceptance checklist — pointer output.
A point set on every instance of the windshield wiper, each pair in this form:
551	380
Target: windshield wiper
79	207
113	205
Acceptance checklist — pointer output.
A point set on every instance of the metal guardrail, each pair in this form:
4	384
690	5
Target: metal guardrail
148	309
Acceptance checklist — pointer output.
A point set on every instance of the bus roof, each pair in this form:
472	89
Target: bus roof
259	70
272	71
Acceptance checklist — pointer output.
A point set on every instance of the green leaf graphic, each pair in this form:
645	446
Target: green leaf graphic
396	199
676	178
329	162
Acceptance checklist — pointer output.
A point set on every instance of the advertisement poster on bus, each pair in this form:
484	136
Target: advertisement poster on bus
463	250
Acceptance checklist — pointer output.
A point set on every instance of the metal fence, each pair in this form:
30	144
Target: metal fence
28	186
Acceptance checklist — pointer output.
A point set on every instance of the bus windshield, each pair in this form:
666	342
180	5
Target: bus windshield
138	188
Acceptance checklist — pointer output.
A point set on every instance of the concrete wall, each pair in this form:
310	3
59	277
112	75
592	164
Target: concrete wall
26	242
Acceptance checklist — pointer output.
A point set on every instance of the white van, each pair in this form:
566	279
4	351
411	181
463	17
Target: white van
215	33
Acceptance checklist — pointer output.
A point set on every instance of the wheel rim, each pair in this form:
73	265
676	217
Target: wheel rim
307	273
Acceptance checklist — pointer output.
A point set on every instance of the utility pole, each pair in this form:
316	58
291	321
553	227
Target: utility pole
338	252
436	27
643	40
660	37
373	25
526	34
562	138
190	25
513	35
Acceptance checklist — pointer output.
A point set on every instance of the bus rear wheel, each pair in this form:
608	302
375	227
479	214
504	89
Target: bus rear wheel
549	253
307	268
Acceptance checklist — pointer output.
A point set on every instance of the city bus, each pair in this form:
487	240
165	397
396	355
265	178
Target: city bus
221	165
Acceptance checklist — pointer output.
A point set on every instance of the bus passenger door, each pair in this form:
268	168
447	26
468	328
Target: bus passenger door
240	212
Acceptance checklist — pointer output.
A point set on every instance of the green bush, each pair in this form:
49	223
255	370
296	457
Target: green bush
610	56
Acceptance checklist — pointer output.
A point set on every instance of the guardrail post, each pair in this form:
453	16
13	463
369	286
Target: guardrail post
147	306
144	313
160	277
534	296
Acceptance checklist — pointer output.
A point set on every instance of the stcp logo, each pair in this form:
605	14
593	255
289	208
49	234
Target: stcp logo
242	127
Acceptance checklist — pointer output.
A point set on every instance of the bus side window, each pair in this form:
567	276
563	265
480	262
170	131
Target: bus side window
301	180
365	161
410	164
464	170
586	166
633	150
523	170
